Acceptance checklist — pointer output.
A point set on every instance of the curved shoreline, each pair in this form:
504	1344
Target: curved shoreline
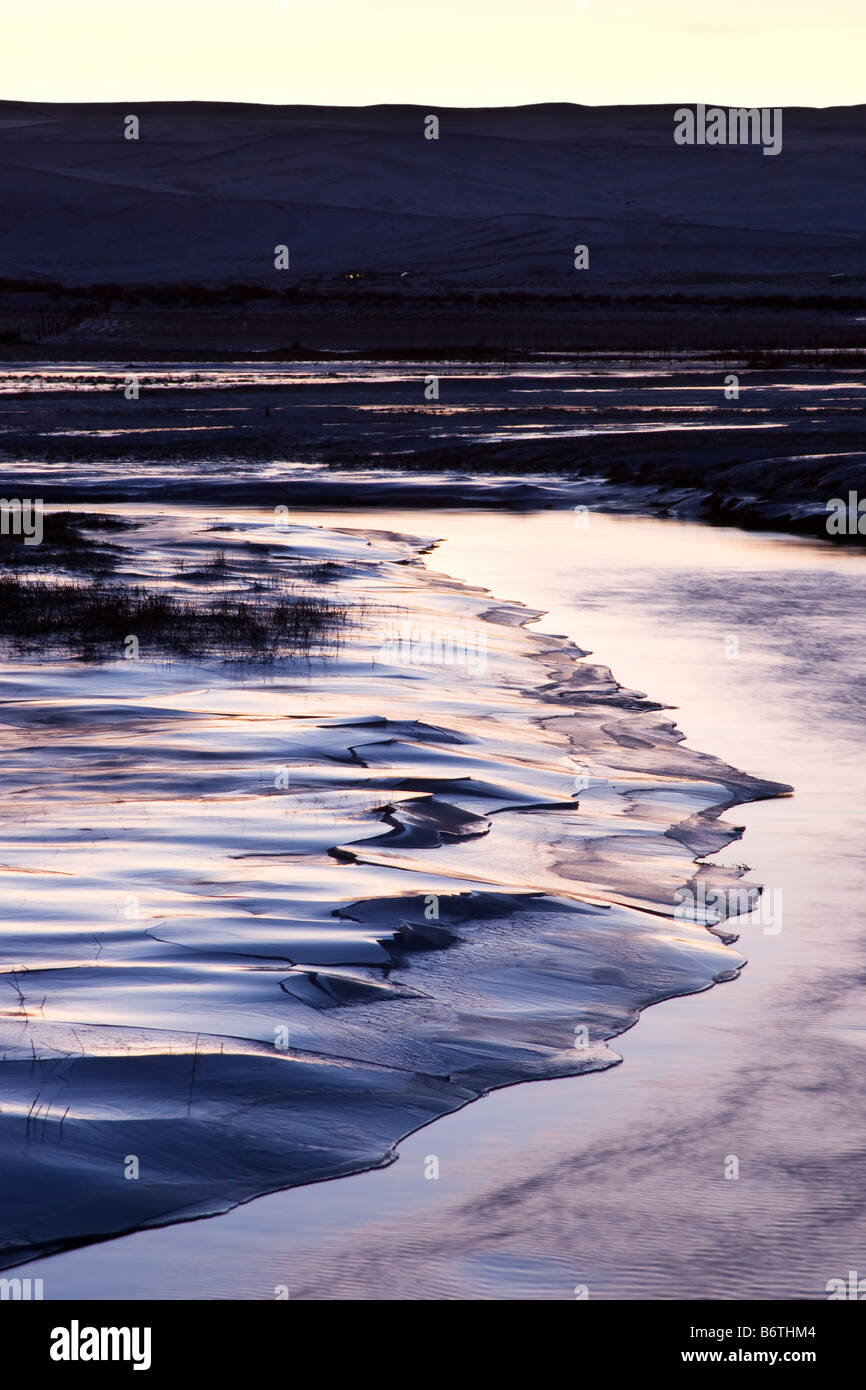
462	1020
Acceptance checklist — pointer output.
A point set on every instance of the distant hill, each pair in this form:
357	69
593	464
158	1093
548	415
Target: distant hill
501	198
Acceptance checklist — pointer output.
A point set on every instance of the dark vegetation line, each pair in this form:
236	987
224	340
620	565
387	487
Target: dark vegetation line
87	612
93	620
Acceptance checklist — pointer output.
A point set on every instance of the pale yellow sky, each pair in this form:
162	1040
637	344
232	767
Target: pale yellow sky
436	53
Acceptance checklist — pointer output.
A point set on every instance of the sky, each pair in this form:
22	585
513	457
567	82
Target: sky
439	52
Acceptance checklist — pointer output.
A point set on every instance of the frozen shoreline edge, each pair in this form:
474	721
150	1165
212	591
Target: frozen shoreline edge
565	687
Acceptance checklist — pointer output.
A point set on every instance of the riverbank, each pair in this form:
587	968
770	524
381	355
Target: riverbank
616	1181
328	900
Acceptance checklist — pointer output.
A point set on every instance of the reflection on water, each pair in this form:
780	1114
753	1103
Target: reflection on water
261	921
617	1180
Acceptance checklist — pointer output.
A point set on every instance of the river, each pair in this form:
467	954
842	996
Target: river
724	1158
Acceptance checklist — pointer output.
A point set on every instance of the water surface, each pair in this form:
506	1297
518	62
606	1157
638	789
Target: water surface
616	1181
